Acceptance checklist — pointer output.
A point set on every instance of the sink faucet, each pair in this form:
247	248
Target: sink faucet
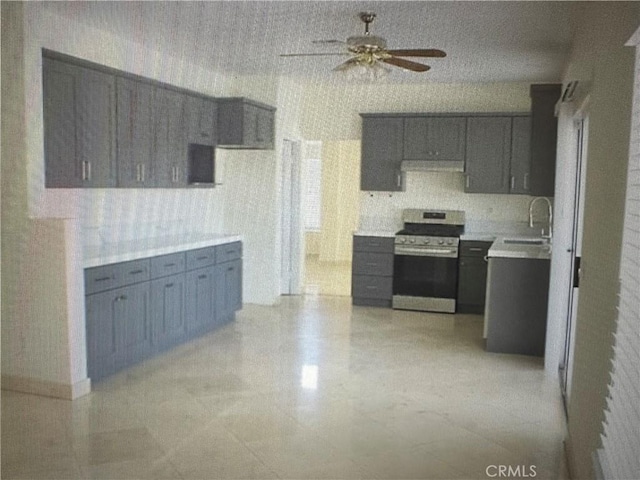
550	213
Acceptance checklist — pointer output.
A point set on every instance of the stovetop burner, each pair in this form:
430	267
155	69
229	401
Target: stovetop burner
434	223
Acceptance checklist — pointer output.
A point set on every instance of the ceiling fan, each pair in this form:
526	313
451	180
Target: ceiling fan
369	49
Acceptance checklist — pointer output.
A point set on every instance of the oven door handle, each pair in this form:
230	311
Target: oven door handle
427	252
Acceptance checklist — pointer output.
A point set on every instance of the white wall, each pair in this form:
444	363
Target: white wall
599	55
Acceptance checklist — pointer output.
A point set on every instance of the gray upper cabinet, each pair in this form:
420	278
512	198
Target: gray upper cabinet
434	138
243	123
201	114
520	179
170	145
544	132
135	133
488	156
382	139
79	126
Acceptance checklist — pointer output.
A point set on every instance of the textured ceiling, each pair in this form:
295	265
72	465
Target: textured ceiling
485	40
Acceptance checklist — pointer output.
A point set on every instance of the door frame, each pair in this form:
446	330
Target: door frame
291	218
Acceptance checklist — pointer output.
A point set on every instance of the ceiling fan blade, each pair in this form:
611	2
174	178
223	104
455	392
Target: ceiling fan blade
328	42
314	54
345	65
426	52
406	64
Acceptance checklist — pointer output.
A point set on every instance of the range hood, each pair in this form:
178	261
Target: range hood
431	166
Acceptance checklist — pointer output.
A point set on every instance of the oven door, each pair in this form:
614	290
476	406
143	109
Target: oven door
425	279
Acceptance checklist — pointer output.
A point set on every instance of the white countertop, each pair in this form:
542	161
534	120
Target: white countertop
106	253
516	247
375	233
489	231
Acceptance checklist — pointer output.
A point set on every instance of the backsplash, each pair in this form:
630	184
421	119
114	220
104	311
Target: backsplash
439	190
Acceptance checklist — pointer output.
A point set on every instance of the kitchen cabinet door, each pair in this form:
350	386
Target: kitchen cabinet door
118	329
170	145
135	133
520	156
200	300
381	154
472	285
201	114
245	124
79	126
488	155
228	290
168	312
434	138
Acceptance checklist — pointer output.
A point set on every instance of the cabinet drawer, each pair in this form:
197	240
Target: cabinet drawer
366	286
166	265
202	257
473	248
99	279
228	252
373	244
365	263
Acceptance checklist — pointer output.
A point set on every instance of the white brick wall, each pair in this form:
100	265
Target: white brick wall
621	437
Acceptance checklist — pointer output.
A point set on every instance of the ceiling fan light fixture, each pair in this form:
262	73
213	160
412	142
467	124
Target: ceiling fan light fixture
364	68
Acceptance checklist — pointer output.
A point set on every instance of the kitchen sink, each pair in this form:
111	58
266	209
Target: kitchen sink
525	241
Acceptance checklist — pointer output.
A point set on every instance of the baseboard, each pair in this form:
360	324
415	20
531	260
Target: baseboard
568	456
46	388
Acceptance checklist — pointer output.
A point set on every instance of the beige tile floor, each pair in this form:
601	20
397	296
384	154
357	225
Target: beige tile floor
325	278
311	388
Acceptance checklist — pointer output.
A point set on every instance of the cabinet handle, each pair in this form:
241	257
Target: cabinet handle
169	264
136	272
467	181
230	269
399	180
142	172
475	249
86	170
526	181
486	258
174	174
513	182
169	285
102	279
371	287
202	277
202	258
372	264
121	298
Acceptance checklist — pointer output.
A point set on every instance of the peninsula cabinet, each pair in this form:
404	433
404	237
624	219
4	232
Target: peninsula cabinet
79	126
138	308
243	123
381	156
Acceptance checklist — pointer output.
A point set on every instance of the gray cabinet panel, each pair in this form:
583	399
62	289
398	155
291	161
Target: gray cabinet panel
516	313
488	154
544	134
135	133
228	290
168	312
434	138
228	252
201	310
118	329
201	257
372	287
201	114
366	263
382	139
363	243
79	126
245	124
170	145
166	265
472	276
112	276
520	181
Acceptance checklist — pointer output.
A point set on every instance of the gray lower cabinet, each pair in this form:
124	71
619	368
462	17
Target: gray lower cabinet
472	276
381	156
138	308
372	271
118	329
516	310
79	126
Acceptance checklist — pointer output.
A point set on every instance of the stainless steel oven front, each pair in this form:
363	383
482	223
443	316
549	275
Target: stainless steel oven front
425	273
